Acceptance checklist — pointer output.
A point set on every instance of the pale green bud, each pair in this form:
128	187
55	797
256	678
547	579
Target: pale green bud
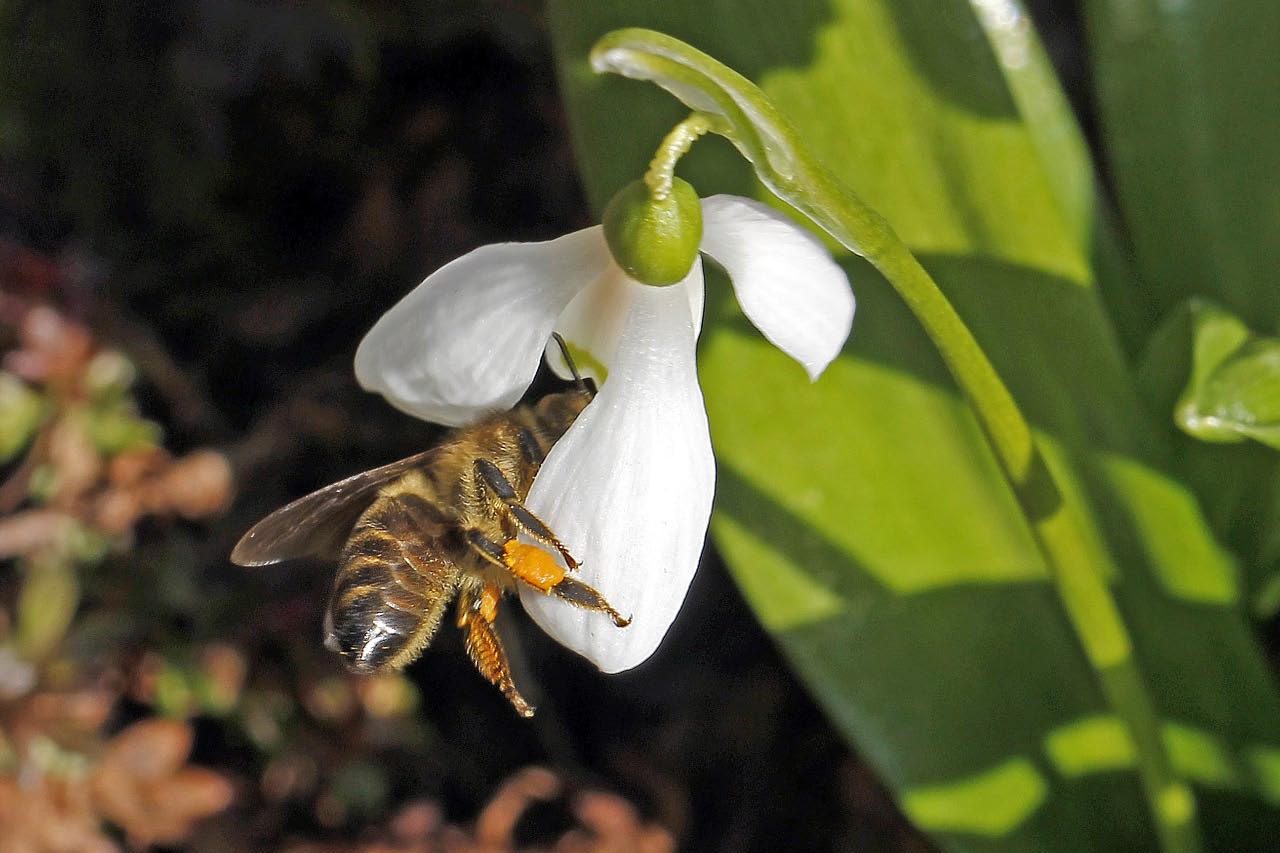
655	241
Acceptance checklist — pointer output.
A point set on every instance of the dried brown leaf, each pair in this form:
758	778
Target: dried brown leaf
32	530
53	349
49	815
497	821
198	485
147	750
75	462
141	785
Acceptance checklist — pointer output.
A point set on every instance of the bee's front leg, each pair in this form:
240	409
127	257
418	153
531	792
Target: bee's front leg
477	612
496	482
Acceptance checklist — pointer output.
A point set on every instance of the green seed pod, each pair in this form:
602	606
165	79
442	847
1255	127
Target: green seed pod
655	241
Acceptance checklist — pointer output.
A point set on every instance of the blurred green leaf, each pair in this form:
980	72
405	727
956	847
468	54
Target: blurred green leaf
108	377
863	515
1233	392
1190	127
21	411
46	605
115	427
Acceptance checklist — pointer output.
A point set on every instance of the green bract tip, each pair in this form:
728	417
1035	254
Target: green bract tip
654	240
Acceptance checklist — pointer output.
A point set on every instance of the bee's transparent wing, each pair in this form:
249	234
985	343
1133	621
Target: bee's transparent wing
318	524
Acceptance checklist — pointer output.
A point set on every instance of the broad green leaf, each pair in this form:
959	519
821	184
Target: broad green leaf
46	605
1064	158
864	517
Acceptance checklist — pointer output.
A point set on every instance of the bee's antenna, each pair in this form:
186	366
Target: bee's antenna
568	359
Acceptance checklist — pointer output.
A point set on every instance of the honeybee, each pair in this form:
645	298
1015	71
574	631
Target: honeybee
412	535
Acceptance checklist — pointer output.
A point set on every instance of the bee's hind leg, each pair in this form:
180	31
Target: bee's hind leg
497	483
477	611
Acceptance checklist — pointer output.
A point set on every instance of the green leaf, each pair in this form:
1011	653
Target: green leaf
21	411
864	517
46	605
1180	378
1233	392
115	427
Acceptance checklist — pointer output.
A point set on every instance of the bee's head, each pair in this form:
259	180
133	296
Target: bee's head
557	412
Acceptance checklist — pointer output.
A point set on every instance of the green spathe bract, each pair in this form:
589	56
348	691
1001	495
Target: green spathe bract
654	239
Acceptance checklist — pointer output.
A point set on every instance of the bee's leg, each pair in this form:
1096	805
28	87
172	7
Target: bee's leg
488	550
582	595
539	570
530	448
529	563
494	479
476	614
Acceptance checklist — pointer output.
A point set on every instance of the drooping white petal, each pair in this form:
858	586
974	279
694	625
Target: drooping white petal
468	339
592	322
628	488
785	280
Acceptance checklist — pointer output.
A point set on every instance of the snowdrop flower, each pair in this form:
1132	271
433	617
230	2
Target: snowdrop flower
628	488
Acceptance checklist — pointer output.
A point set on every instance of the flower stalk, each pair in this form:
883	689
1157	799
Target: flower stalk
662	168
732	106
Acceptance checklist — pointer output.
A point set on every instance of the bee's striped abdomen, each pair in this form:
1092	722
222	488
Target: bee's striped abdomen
395	577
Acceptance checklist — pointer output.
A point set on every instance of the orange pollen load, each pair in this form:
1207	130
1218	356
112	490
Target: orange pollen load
489	597
533	565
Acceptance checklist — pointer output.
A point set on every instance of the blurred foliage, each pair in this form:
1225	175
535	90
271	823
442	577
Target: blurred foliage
87	470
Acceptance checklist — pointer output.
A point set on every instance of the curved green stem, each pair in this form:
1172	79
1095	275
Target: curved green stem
735	108
662	168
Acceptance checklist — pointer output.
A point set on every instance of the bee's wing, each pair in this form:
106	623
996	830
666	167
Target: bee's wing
319	523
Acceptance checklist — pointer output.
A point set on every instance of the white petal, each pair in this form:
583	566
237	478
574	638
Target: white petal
593	321
785	280
628	489
697	295
467	340
592	325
